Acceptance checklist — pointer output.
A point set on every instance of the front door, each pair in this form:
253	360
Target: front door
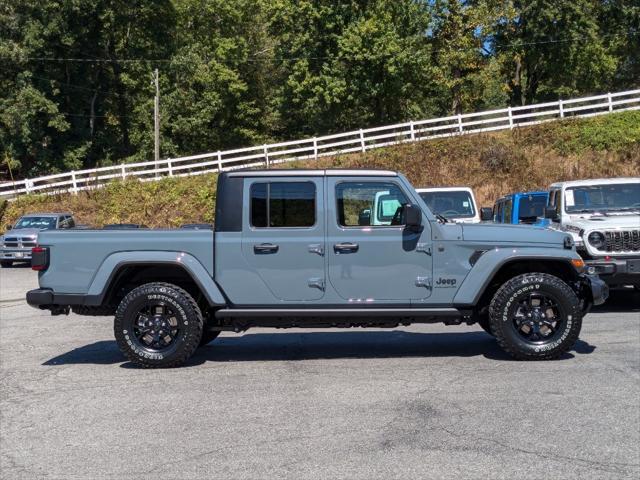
284	240
372	257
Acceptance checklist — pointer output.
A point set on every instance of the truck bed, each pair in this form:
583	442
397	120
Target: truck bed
79	254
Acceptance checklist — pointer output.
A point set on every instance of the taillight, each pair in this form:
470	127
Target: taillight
39	258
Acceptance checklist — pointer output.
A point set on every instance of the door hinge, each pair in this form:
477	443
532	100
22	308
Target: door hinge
316	248
423	282
316	283
424	247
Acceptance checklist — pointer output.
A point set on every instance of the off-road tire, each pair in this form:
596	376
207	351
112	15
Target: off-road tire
485	325
189	318
6	264
208	336
505	302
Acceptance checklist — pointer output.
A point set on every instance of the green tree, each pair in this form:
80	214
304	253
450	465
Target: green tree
619	22
216	87
552	49
59	114
350	64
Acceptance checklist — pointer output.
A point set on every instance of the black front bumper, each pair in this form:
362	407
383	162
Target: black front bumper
616	271
597	289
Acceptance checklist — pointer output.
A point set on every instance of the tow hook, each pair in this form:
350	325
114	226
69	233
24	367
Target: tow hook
60	309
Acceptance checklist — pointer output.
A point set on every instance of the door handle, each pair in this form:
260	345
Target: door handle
263	248
346	247
316	248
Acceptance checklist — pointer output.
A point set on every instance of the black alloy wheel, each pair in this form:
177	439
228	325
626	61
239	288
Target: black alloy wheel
535	316
538	318
158	325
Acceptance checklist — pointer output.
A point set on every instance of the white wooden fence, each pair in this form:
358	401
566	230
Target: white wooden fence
328	145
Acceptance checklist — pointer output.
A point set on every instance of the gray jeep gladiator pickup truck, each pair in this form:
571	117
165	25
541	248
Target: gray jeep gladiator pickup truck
300	248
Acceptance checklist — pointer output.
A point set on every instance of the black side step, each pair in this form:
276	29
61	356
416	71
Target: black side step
244	318
399	313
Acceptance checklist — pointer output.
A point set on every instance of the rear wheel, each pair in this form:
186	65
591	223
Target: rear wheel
158	325
6	263
535	316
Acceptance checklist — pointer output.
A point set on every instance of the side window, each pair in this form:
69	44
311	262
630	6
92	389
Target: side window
71	222
508	207
283	204
497	212
364	204
557	201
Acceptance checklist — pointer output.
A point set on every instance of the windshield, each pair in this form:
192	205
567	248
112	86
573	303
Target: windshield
618	197
531	207
41	223
450	204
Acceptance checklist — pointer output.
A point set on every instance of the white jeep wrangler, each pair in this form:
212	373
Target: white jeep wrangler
603	216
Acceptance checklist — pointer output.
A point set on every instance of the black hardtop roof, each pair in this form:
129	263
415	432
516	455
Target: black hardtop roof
308	172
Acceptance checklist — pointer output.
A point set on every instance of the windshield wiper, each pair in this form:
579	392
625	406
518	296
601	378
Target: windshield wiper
589	210
442	218
625	209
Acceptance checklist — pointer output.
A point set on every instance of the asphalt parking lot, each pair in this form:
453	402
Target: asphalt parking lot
427	401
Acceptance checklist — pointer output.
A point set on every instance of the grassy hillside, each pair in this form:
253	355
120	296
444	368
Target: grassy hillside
492	164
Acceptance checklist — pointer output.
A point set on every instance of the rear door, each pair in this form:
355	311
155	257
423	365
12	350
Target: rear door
372	257
284	239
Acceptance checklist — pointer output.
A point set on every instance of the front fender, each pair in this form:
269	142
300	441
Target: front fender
110	266
491	261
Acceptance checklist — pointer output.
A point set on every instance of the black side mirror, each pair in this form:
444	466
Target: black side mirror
412	216
486	214
551	214
9	227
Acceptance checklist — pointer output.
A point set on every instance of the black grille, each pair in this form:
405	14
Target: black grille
622	241
11	242
15	242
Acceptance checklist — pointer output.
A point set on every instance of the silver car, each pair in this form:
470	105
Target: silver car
17	242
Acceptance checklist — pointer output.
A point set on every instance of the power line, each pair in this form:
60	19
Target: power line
70	85
92	116
311	57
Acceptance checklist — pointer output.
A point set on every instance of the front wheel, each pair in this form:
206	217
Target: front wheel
208	336
158	325
485	325
535	316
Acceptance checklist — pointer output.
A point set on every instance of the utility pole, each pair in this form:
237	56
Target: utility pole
156	119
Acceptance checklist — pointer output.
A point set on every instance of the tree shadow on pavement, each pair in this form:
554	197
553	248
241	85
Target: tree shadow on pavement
296	346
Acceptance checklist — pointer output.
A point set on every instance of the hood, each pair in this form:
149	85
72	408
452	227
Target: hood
605	223
22	232
501	233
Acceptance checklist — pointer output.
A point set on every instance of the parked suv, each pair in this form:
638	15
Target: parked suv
522	208
16	243
603	216
301	248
